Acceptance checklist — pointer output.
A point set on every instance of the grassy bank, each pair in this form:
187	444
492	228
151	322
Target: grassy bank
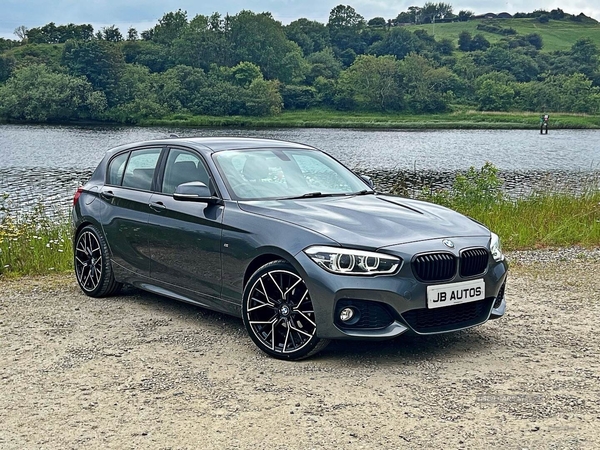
322	118
32	244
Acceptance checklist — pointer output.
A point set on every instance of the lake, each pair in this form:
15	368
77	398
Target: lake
47	163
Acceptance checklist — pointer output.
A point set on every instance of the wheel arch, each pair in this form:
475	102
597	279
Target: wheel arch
260	261
84	222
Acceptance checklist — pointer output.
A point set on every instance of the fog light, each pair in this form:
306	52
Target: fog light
346	314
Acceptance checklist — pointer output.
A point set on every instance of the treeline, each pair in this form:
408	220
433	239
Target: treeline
250	64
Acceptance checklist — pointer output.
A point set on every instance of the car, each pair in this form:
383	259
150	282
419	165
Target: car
285	237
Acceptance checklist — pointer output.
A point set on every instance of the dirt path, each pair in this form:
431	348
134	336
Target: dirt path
139	371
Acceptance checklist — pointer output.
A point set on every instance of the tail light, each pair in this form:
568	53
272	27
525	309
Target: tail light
77	195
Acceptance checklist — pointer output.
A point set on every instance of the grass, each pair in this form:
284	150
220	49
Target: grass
556	34
33	244
542	219
325	118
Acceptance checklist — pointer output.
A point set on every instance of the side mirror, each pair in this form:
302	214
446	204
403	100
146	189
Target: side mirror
195	191
368	180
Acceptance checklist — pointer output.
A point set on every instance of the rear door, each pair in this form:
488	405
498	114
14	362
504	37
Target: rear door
185	238
130	180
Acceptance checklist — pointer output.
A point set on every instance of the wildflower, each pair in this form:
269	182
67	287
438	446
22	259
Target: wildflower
48	245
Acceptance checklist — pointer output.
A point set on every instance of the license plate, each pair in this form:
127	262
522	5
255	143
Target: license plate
449	294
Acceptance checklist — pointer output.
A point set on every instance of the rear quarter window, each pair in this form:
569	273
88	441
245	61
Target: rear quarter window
116	168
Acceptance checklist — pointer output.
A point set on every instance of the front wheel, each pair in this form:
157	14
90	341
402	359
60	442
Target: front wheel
278	313
92	264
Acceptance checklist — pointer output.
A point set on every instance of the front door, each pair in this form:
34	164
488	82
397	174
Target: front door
185	238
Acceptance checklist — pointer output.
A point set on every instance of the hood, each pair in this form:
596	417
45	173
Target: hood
369	221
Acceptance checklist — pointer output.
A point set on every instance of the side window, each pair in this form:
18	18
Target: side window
182	167
140	168
116	169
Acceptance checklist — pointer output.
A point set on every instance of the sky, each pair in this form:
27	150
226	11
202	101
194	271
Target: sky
143	15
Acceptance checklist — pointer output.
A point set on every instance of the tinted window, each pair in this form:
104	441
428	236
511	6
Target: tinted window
116	169
183	167
140	168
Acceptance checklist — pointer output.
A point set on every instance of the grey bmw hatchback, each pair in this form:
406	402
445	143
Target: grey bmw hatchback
285	237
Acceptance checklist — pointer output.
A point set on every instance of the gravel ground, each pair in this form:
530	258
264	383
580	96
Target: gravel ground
139	371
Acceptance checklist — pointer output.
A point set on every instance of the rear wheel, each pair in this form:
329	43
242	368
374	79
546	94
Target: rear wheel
278	313
92	264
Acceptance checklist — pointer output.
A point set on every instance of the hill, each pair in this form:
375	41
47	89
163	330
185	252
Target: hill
556	34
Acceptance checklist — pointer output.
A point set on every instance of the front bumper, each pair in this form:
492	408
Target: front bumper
390	305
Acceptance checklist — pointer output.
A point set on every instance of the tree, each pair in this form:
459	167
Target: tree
263	98
298	97
111	34
371	83
324	64
170	27
204	42
100	62
245	73
259	39
377	22
7	65
21	32
428	89
310	35
479	42
494	92
35	93
399	42
132	34
535	39
431	11
345	26
465	15
52	34
464	41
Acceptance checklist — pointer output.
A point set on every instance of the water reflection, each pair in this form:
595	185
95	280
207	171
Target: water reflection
45	164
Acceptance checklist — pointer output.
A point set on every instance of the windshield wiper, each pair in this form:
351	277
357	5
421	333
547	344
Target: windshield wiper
363	192
309	195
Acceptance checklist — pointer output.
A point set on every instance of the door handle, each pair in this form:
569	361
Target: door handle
157	206
107	195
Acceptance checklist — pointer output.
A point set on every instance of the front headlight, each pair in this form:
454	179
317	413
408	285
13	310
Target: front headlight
353	262
496	248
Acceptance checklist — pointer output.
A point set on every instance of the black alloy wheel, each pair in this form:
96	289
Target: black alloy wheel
92	265
278	313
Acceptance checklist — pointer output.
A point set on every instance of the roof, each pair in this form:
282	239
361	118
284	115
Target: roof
215	144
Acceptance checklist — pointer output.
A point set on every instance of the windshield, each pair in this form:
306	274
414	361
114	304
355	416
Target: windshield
290	173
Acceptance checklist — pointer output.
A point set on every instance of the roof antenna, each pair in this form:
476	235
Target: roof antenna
173	136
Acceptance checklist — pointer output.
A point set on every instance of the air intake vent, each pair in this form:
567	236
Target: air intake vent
449	318
473	262
434	266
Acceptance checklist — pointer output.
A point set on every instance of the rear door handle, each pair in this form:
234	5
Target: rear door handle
107	195
157	206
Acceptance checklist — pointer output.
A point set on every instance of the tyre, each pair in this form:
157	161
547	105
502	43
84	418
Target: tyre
92	264
278	313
